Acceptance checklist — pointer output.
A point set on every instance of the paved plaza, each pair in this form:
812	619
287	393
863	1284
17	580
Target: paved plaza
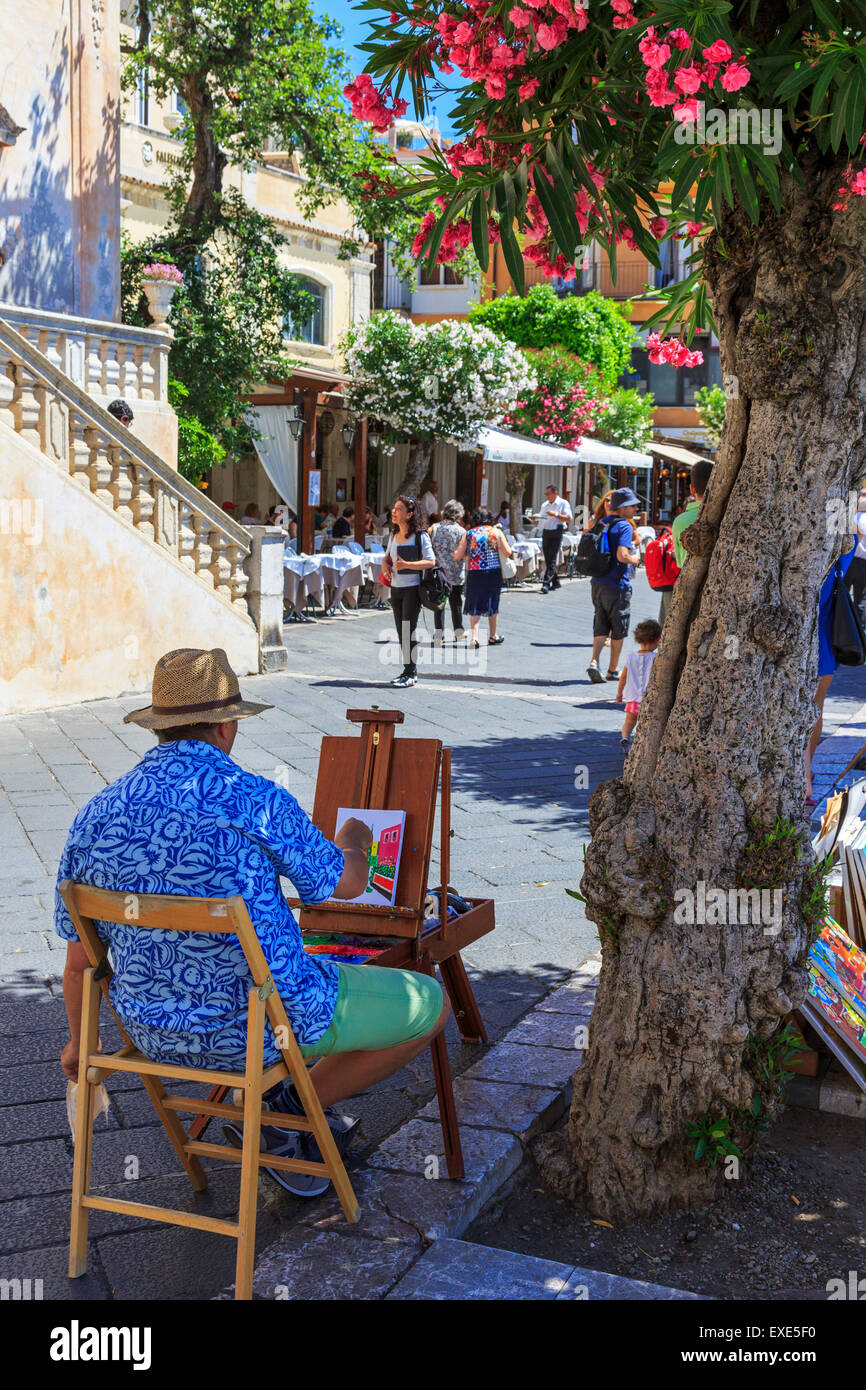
525	725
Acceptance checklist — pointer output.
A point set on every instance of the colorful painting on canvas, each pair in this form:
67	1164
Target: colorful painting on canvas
384	854
841	962
846	1021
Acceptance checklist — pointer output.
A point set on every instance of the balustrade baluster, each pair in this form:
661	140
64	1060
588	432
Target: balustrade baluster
120	482
82	442
143	501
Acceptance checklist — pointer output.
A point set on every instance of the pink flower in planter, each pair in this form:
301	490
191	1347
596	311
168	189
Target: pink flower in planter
159	271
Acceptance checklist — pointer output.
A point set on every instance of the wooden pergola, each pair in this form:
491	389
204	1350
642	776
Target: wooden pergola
315	389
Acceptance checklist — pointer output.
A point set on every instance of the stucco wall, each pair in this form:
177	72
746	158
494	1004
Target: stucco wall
86	604
59	183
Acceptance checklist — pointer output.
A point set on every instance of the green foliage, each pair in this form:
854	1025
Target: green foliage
710	403
594	329
766	1061
712	1139
627	419
227	320
197	449
592	112
814	894
769	860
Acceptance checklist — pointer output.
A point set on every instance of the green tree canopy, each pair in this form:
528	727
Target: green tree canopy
626	419
591	328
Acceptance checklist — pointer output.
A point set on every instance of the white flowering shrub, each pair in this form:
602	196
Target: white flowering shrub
433	380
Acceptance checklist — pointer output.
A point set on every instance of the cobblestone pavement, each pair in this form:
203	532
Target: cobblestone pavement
520	719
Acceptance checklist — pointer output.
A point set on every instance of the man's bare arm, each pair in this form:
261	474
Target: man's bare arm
354	838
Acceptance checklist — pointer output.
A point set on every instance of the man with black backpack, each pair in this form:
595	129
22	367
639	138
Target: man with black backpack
611	569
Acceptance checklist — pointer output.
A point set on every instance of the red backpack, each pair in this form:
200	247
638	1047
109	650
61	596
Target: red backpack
660	561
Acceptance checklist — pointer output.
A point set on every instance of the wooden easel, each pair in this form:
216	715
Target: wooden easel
364	773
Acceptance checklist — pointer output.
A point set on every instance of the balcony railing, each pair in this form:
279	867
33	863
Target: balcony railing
633	278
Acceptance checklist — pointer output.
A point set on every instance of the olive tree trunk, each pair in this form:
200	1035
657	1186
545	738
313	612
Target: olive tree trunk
515	482
420	458
713	789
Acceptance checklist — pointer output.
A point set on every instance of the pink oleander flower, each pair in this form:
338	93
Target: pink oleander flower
464	33
735	76
687	110
550	36
688	79
621	6
520	18
679	38
718	52
171	274
694	228
672	351
654	54
495	86
658	226
709	72
528	89
625	21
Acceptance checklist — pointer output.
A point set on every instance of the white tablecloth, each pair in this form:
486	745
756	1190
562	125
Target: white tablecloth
305	575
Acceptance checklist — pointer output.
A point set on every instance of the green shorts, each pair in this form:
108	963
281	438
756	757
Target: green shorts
378	1007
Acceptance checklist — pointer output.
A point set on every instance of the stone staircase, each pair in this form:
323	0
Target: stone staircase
44	405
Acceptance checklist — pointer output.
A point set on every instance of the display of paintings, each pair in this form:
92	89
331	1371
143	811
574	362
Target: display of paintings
846	1021
384	853
842	963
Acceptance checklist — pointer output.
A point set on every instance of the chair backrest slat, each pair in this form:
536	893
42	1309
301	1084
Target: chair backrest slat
87	905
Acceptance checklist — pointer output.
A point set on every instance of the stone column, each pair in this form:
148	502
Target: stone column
264	567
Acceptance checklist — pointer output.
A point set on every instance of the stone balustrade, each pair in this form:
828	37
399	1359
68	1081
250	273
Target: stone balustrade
57	415
104	359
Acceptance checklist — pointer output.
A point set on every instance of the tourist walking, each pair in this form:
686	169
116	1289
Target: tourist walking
611	592
481	546
855	578
827	663
554	515
446	536
409	553
635	673
698	481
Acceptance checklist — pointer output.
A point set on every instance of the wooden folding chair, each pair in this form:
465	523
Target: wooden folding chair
88	905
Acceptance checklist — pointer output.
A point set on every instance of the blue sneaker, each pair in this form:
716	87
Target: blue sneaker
286	1143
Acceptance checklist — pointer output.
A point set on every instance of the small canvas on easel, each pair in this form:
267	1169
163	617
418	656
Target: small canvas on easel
384	853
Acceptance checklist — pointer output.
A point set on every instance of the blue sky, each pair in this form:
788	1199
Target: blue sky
355	32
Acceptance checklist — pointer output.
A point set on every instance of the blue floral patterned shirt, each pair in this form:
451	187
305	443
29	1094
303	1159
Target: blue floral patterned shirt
188	820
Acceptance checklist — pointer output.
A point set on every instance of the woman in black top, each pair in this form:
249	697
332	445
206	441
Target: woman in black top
408	529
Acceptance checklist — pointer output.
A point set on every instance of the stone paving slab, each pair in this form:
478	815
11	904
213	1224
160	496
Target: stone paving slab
539	1066
453	1270
488	1157
522	1110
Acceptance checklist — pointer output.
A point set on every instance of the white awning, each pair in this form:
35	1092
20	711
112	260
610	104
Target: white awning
611	455
500	446
504	447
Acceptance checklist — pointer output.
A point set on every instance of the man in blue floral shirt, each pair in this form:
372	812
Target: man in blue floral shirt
188	820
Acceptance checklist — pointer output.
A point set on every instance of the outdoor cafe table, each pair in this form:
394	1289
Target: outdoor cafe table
309	575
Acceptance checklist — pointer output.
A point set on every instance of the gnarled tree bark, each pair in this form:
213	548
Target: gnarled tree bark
717	761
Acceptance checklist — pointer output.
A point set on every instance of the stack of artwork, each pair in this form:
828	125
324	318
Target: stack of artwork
836	1002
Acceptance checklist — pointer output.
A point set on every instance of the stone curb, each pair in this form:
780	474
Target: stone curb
518	1088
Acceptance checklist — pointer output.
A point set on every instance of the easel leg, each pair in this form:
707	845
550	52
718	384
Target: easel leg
445	1094
201	1122
466	1012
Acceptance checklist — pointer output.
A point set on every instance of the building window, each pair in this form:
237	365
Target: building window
312	329
142	94
439	275
178	104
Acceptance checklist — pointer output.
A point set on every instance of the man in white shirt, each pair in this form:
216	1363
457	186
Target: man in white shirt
430	500
554	515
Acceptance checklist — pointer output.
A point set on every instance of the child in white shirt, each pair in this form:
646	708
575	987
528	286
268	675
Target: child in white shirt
635	673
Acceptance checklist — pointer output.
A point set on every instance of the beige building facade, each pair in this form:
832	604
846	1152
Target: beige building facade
149	150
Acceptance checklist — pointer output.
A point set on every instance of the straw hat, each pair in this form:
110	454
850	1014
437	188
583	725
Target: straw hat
193	687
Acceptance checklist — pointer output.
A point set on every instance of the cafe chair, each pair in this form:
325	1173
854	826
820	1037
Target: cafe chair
86	907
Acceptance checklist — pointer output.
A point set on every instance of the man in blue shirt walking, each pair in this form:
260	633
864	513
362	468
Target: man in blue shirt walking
188	820
611	593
